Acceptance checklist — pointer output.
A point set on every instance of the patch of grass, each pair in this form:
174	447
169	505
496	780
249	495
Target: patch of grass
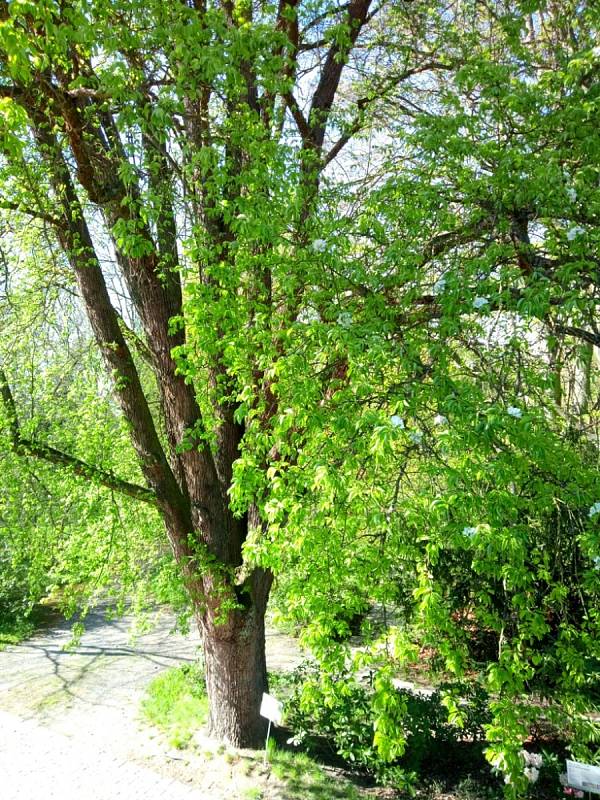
305	779
176	703
13	631
253	794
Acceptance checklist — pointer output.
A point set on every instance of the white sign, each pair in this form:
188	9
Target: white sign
583	776
271	708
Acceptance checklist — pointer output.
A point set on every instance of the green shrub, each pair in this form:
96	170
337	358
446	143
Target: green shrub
342	712
14	630
14	585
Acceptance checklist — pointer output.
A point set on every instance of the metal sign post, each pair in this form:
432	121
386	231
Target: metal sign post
271	709
267	744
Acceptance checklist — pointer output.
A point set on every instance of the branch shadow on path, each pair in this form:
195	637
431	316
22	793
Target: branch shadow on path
104	669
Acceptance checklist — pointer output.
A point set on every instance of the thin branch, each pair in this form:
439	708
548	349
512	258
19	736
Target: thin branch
299	118
319	18
24	446
30	212
577	333
351	131
389	85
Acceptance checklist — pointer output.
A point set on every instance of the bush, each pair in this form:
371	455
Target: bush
14	585
343	713
13	631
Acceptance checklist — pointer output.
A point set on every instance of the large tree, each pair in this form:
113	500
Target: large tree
184	146
335	228
475	511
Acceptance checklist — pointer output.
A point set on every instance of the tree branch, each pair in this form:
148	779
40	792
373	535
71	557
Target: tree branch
353	129
30	212
75	239
391	83
299	118
577	333
335	62
23	446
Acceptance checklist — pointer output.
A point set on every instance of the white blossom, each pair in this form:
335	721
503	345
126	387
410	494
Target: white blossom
571	194
575	231
532	759
480	302
440	419
515	412
596	51
308	315
319	245
595	509
470	531
397	422
596	560
439	285
531	773
345	319
416	437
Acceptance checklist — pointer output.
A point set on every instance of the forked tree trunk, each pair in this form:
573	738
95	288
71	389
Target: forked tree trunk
236	676
82	135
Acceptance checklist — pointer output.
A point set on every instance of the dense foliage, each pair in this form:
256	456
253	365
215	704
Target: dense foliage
357	251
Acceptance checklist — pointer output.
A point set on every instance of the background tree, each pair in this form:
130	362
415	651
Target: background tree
471	295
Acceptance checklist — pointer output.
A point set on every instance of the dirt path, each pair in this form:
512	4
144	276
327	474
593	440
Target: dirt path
88	698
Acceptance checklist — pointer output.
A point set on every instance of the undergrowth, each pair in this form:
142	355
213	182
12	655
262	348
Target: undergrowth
16	629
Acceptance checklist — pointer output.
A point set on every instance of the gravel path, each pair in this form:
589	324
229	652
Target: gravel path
69	722
38	763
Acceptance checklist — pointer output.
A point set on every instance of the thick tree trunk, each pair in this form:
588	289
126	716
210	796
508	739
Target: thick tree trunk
236	677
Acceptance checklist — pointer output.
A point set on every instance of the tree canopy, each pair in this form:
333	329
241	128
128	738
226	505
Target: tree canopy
341	265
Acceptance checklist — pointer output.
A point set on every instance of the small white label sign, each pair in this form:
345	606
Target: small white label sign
583	776
271	708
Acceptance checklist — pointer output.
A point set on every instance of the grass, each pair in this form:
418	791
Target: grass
305	779
254	794
176	703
